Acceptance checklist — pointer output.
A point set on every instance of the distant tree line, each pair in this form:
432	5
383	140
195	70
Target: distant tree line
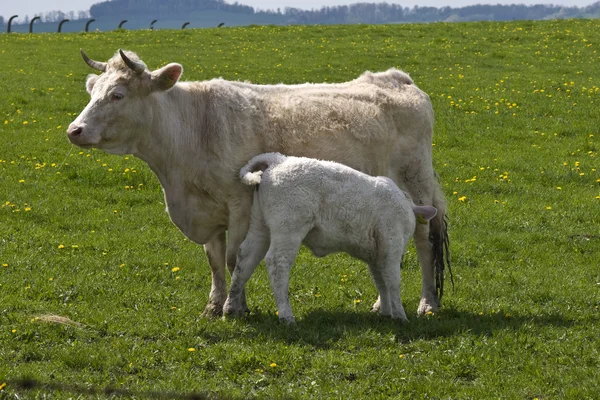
162	8
368	13
372	13
52	16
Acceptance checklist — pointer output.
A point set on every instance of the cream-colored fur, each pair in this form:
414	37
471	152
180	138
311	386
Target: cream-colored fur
196	136
328	207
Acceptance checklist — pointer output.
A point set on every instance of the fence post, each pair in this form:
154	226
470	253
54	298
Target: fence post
87	25
61	24
10	22
31	23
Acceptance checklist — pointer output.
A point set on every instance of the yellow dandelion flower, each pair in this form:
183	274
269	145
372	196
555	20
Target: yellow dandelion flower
5	265
357	301
272	365
175	269
191	349
2	386
463	198
61	246
548	208
558	188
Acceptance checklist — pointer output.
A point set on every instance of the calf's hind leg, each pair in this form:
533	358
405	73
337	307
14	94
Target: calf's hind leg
279	260
386	276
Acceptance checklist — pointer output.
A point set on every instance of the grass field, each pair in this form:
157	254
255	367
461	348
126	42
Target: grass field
84	235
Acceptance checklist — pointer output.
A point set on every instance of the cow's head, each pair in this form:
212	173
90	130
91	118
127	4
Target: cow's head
120	111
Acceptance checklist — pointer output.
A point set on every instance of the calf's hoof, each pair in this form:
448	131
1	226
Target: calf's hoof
400	317
288	320
230	312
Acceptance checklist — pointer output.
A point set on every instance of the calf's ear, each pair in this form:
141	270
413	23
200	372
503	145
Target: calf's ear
90	82
424	213
166	77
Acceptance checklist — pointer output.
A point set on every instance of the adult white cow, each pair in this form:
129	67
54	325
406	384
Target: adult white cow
196	136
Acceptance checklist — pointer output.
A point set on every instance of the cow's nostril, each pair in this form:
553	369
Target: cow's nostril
75	131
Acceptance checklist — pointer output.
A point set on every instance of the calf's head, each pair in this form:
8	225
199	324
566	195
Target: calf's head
119	113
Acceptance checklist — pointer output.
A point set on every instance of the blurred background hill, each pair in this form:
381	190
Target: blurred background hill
172	14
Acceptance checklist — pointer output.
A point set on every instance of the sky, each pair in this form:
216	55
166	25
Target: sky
32	7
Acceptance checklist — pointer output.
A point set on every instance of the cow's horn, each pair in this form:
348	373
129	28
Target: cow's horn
137	67
97	65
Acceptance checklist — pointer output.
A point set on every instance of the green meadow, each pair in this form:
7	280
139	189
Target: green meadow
101	296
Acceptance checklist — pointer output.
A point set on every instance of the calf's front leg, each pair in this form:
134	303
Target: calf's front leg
250	254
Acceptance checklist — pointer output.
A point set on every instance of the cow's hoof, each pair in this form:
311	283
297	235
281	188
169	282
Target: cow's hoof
376	306
212	311
426	306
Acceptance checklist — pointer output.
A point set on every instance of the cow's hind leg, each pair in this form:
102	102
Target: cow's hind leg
429	300
215	251
421	185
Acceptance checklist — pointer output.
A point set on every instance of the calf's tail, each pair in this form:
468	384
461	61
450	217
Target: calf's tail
251	173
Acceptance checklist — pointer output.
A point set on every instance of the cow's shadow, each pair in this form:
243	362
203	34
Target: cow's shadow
322	329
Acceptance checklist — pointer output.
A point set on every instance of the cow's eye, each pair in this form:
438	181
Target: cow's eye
117	96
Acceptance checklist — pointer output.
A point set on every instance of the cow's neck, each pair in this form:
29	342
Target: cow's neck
173	148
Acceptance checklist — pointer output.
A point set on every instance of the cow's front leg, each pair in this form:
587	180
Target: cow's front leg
239	221
215	251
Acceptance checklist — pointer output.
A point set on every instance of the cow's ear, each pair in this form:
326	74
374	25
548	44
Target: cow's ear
89	83
166	77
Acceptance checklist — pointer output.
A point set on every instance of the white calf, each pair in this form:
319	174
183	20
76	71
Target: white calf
329	207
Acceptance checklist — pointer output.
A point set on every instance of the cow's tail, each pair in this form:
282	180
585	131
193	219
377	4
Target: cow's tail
251	173
438	234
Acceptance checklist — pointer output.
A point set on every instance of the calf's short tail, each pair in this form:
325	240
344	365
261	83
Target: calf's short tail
251	173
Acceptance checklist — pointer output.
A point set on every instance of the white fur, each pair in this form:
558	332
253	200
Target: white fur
329	207
196	136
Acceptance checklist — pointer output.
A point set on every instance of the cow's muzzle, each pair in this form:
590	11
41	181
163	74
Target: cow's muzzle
74	130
